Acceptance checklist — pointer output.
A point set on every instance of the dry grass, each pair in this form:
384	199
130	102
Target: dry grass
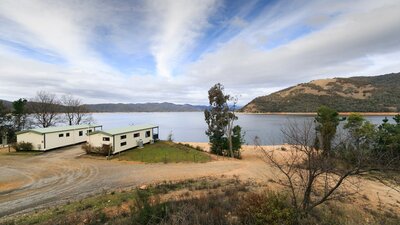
202	201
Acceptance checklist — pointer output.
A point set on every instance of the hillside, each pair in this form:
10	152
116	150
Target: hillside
6	104
354	94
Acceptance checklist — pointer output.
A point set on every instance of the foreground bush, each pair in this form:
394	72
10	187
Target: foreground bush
23	146
266	208
205	201
103	150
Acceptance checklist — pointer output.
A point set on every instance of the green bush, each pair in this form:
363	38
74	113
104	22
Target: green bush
103	150
23	146
266	208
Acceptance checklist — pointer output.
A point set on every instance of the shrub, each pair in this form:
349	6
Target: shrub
103	150
266	208
23	146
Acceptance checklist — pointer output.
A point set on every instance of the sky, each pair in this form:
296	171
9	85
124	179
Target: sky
113	51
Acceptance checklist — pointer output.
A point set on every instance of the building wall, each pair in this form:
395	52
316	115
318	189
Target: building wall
130	140
37	140
53	140
96	140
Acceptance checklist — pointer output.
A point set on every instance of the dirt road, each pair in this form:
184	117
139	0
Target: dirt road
61	175
30	182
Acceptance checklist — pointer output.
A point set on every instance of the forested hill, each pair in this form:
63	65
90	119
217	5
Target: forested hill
131	107
144	107
354	94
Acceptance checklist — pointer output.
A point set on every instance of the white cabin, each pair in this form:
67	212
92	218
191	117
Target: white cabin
122	139
44	139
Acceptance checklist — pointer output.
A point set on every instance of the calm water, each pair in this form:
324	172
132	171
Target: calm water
190	126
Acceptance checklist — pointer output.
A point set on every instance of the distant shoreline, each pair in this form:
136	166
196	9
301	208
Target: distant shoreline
276	113
314	113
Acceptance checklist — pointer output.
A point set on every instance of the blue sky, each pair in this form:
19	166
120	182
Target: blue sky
175	50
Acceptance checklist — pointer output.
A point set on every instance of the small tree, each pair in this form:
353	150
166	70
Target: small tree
361	132
45	108
327	120
312	177
220	120
388	137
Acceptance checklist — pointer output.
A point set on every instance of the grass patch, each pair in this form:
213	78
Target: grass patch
165	152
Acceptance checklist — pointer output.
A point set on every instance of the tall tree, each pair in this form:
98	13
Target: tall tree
20	114
220	120
45	108
327	120
75	113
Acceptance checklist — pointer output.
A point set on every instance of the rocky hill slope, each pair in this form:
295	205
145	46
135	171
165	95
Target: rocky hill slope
354	94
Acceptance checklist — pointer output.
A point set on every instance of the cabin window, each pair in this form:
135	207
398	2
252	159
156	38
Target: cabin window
106	139
80	133
90	131
67	134
61	135
135	135
147	134
123	143
123	136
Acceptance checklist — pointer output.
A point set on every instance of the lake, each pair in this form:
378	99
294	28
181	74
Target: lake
191	126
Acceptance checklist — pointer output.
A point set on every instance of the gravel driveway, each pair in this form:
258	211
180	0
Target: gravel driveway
29	182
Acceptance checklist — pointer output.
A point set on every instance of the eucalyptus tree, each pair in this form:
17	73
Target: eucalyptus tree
220	120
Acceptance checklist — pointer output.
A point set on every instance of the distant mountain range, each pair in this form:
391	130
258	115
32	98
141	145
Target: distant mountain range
139	107
144	107
354	94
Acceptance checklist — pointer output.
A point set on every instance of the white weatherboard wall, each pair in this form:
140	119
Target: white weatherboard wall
37	140
96	139
44	139
53	140
133	135
131	141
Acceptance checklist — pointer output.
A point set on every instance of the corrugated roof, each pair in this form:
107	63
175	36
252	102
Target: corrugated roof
58	129
122	130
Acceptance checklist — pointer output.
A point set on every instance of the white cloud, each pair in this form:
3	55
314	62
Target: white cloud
250	56
179	23
340	47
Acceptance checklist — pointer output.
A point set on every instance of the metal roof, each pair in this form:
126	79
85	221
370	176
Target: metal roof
123	130
58	129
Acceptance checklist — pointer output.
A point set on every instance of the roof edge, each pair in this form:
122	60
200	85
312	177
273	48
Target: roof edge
37	132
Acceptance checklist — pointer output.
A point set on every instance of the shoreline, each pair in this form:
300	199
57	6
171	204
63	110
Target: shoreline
314	113
277	113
